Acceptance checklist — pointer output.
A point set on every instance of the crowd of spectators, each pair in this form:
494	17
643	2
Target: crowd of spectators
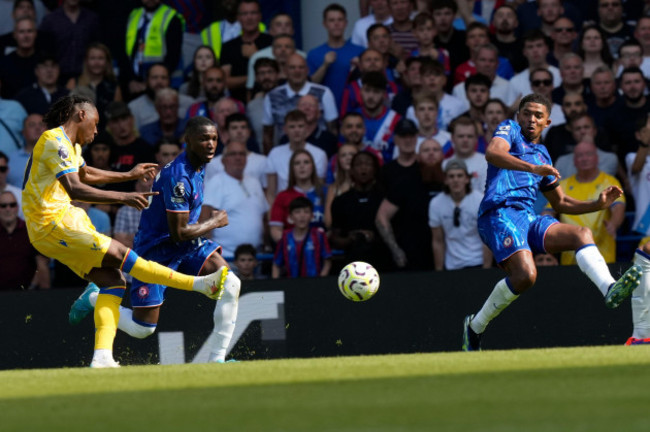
369	148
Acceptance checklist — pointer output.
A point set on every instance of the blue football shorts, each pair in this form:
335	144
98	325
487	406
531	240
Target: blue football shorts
187	258
507	230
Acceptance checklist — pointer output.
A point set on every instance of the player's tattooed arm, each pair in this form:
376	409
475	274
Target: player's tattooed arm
384	215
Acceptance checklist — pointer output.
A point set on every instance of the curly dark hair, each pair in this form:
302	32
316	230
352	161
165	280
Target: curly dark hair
63	109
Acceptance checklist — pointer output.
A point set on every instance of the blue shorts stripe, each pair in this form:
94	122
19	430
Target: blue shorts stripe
643	254
144	324
129	261
114	291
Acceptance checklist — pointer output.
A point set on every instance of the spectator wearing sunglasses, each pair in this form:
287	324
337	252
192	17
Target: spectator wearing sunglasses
453	221
541	82
19	259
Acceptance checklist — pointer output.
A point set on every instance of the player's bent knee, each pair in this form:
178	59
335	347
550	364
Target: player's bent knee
140	331
584	235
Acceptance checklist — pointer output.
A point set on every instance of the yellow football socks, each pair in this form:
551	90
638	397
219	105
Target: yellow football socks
152	272
107	314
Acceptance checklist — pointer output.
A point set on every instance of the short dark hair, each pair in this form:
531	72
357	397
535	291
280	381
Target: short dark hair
295	115
157	64
245	249
535	35
374	27
18	2
443	4
536	98
478	79
431	66
334	7
539	69
374	79
477	25
167	141
237	117
4	156
266	62
351	114
462	121
195	124
421	19
300	203
415	59
631	70
629	42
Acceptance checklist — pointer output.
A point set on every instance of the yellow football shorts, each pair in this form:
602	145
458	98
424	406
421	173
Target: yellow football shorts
75	242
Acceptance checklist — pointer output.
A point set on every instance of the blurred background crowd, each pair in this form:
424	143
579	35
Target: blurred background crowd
368	145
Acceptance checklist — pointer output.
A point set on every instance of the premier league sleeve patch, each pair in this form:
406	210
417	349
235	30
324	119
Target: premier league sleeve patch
178	193
63	152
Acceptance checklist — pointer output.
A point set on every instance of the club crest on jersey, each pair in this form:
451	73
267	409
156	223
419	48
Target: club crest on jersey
63	152
143	291
507	242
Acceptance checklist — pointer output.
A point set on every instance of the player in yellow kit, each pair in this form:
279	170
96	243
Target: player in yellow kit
56	174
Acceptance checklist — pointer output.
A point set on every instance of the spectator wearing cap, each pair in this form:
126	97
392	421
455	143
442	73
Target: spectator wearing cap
380	120
41	95
402	217
129	149
453	221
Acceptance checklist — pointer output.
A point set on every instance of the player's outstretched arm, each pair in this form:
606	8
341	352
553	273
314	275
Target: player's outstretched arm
79	191
91	175
181	230
562	203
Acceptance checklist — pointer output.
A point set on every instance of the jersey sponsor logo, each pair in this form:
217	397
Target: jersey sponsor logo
63	152
143	291
504	128
501	133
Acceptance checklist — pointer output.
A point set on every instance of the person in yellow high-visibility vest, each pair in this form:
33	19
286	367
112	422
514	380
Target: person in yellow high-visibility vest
154	34
220	32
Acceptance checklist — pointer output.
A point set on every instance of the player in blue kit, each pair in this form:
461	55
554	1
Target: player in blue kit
518	167
169	233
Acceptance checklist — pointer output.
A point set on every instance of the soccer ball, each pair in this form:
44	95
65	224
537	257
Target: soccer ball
358	281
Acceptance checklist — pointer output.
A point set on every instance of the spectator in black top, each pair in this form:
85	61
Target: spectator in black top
448	37
610	14
236	53
17	68
505	24
353	215
40	96
130	149
72	28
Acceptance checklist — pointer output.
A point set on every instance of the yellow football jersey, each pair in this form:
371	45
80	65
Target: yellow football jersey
45	201
596	220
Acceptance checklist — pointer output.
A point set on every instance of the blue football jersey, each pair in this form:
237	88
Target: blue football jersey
180	189
505	187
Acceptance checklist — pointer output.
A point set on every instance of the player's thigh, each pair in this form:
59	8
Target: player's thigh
106	277
204	258
75	243
504	231
562	237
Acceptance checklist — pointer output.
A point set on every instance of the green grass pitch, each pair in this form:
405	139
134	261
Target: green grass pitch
576	389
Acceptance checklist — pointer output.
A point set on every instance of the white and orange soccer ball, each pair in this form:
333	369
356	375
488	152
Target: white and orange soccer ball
358	281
